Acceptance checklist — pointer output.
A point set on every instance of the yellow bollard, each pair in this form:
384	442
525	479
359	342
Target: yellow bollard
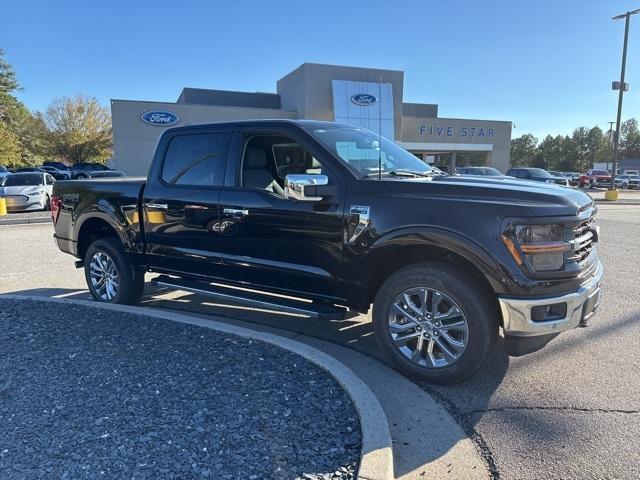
3	206
611	195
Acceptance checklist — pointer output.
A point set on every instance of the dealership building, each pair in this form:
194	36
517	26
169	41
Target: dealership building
368	97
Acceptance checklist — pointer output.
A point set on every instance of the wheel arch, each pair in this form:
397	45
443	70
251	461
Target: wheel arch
95	225
405	247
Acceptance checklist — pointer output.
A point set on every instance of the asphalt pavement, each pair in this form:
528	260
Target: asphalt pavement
570	411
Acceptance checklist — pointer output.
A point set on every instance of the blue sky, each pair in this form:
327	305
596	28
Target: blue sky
545	65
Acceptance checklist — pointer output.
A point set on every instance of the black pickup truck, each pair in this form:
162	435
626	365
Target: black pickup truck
324	219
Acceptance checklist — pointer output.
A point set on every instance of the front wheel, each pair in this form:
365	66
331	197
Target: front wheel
436	322
109	274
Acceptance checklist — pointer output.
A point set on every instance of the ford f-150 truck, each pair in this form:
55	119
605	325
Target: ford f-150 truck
323	219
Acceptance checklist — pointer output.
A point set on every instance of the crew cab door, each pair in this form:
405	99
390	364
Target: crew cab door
180	203
269	240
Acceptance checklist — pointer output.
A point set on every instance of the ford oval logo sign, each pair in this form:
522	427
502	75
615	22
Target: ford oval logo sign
161	118
363	99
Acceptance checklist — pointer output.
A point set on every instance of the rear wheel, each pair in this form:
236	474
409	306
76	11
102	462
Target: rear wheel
110	276
435	322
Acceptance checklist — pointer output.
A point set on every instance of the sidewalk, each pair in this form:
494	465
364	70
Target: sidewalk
625	197
22	218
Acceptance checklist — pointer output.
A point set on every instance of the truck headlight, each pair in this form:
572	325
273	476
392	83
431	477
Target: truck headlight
540	247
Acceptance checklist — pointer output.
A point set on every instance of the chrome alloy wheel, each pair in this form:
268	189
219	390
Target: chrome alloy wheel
428	327
104	276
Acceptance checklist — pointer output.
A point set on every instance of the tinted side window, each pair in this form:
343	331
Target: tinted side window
195	160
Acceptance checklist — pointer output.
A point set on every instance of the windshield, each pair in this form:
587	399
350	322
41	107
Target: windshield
599	172
539	172
492	172
21	179
361	149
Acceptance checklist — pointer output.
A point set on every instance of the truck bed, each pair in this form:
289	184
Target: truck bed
106	197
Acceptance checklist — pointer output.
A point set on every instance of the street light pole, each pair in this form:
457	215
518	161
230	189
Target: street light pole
621	88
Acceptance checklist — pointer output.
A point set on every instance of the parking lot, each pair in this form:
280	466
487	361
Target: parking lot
571	410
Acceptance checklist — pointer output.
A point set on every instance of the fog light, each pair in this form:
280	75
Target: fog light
546	313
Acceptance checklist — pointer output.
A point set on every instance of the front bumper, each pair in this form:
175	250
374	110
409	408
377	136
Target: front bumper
21	203
581	305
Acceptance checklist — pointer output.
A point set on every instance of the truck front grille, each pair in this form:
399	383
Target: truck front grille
583	240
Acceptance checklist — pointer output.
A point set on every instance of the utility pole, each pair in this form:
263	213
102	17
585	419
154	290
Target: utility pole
621	87
610	140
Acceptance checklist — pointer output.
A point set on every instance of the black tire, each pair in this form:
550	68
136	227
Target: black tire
474	300
591	184
131	280
47	204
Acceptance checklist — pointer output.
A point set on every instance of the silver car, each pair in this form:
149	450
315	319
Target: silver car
27	191
628	181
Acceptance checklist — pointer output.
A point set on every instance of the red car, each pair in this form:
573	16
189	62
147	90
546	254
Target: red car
595	178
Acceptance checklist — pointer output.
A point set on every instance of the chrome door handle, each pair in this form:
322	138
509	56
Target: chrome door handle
236	212
157	206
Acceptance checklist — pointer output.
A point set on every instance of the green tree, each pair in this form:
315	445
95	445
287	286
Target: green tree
19	127
580	147
599	146
629	139
523	150
551	149
76	129
10	147
8	80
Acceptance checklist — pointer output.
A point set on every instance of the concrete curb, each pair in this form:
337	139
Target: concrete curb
617	202
24	221
376	457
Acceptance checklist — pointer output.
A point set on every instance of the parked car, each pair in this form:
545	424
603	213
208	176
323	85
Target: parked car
81	170
595	178
483	171
27	170
57	165
27	191
537	175
57	173
106	174
445	260
573	177
628	181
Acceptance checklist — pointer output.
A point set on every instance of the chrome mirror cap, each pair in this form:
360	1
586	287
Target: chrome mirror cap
294	186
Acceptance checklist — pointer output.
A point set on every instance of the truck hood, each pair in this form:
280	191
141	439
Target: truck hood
530	198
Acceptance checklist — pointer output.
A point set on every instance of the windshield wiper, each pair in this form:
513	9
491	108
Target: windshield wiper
399	173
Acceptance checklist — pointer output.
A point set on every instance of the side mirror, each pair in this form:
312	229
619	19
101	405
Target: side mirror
307	188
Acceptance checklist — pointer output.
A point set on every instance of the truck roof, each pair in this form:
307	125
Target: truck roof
306	124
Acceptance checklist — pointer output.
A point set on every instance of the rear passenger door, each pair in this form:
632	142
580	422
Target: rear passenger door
181	205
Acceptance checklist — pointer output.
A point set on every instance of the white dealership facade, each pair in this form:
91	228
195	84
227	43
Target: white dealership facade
367	97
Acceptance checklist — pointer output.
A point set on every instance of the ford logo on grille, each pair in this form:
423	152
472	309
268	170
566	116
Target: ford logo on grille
161	118
363	99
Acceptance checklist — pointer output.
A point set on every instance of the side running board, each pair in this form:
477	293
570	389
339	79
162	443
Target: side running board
252	298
